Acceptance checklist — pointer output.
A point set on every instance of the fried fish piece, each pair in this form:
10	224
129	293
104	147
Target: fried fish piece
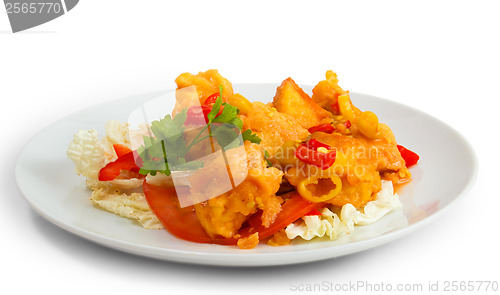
326	92
292	100
273	127
225	214
207	83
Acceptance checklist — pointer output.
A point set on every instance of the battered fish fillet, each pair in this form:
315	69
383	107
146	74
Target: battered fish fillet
207	83
292	100
273	127
225	214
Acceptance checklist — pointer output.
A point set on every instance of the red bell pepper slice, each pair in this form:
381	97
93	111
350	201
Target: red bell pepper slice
411	158
293	208
347	124
121	149
314	212
125	161
327	128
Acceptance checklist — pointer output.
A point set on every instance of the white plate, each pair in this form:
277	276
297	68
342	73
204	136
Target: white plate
46	178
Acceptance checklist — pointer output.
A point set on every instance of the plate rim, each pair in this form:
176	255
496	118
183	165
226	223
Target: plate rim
247	259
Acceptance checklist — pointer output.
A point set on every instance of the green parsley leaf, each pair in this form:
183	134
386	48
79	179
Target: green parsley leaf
166	150
227	135
229	113
237	122
252	137
215	109
180	118
266	157
191	165
166	147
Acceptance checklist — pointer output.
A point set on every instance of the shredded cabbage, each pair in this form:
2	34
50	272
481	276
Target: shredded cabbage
87	153
132	206
116	133
331	225
90	154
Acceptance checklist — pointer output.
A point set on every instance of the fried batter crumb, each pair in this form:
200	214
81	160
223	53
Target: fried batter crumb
249	242
279	239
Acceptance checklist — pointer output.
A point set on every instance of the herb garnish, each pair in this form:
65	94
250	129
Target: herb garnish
166	150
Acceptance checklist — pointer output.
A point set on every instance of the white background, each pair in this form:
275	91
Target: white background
440	57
